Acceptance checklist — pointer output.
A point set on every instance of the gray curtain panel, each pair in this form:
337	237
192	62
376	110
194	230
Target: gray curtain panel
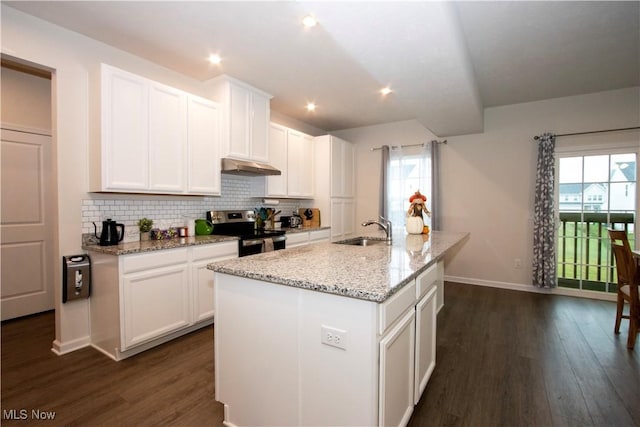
435	185
383	182
544	245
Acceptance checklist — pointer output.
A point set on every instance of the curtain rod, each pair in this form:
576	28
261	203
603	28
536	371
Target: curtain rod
444	141
589	132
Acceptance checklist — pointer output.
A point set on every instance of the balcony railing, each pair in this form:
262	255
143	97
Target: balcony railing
584	256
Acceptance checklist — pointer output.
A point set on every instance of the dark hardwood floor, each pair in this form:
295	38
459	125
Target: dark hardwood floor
169	385
505	358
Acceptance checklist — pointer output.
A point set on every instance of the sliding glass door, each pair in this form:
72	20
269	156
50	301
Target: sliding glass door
595	192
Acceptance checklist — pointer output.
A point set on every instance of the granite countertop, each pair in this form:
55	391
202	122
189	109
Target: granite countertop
372	273
156	245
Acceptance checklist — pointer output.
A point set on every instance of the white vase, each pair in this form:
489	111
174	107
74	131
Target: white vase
415	225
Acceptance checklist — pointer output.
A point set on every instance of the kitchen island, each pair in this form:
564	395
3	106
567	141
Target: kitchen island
328	334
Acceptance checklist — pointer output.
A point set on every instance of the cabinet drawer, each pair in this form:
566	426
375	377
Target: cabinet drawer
216	250
138	262
297	239
390	310
425	280
315	236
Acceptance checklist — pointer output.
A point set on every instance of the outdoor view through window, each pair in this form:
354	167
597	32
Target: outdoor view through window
594	192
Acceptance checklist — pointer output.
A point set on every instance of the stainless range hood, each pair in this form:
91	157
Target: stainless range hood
248	168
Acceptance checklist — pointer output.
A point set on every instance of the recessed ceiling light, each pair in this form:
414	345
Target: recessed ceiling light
311	106
309	21
215	59
385	91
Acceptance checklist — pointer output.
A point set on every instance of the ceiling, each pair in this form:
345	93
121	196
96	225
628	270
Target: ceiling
444	61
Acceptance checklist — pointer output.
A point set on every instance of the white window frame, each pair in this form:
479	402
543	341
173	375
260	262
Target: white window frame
575	150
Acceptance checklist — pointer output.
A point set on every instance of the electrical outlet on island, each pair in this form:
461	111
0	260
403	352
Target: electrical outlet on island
333	337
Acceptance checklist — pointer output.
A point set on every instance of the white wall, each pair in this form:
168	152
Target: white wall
488	179
26	99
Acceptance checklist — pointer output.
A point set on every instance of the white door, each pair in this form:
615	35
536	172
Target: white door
26	224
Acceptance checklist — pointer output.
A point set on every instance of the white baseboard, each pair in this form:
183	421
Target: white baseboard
226	417
530	288
60	348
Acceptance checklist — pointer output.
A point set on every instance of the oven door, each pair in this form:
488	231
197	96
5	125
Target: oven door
256	246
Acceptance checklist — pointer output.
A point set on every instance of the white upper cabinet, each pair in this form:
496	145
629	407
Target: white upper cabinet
203	146
155	138
167	138
300	165
277	184
125	131
292	153
245	119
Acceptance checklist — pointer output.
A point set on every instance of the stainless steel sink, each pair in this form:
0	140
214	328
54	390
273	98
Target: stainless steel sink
363	241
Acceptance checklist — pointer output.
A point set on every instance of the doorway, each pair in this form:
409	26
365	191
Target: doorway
597	191
27	191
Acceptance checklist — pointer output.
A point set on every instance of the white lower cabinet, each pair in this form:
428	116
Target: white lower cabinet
320	236
440	285
141	300
202	278
342	218
425	363
297	239
155	302
304	238
374	375
397	373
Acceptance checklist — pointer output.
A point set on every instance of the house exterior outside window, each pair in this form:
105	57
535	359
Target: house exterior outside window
595	191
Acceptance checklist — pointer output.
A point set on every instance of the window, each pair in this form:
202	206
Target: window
409	171
594	192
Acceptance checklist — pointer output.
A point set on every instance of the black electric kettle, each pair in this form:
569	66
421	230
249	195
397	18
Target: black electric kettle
109	235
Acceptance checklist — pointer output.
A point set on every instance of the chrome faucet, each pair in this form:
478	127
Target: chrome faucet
385	224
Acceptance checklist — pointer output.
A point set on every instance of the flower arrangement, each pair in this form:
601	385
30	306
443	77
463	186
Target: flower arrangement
169	233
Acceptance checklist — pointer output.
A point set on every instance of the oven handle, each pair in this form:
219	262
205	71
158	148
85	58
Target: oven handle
254	242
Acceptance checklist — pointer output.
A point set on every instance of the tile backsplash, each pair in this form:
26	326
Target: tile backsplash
238	192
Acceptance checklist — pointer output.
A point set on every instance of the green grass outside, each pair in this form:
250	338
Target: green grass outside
577	265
